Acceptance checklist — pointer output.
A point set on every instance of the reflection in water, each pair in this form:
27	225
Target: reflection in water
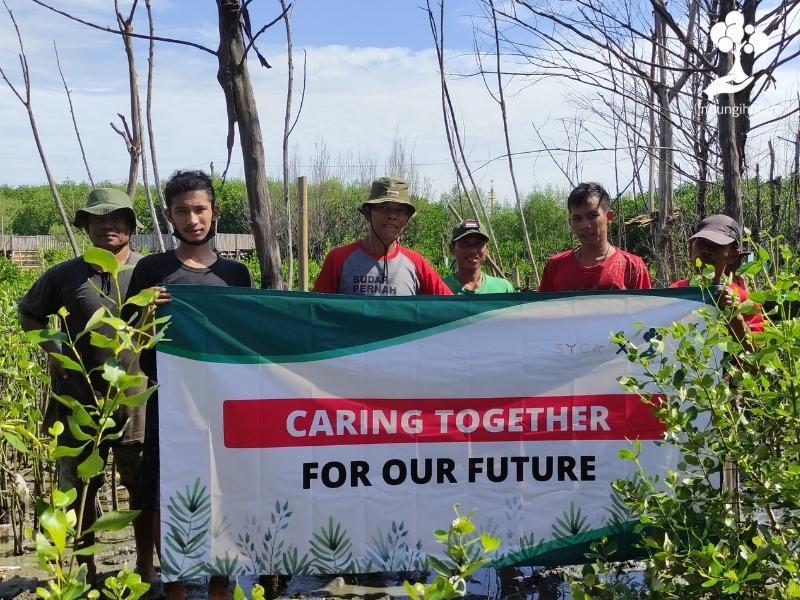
513	583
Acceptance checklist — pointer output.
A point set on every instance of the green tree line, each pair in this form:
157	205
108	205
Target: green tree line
333	218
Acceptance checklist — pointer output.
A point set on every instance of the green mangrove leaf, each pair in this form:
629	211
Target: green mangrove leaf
102	258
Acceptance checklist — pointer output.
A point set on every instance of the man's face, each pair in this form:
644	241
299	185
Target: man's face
110	232
388	219
716	255
470	252
589	221
192	214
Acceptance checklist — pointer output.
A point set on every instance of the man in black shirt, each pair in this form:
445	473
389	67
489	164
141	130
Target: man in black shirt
192	210
82	288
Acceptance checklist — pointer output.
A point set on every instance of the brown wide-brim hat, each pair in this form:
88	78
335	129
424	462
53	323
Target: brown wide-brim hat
104	201
388	189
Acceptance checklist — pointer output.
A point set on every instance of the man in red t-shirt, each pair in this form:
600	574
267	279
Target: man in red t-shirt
718	242
595	264
378	265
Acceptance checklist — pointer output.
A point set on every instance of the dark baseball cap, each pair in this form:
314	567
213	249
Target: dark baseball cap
104	201
719	229
465	228
388	189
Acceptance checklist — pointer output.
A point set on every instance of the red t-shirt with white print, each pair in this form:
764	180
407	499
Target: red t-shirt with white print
352	269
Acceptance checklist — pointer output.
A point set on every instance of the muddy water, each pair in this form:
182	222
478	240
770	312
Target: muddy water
510	584
20	575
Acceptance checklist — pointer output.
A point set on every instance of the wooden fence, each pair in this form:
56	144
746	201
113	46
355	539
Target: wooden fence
25	250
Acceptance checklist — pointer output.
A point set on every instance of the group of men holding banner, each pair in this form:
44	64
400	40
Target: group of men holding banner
376	265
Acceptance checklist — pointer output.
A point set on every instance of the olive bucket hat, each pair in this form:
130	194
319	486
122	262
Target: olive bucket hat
388	189
104	201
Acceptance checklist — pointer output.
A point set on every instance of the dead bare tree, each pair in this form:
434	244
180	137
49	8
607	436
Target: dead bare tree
501	101
149	111
133	136
25	99
774	191
666	51
242	113
288	127
454	142
72	114
733	110
233	76
133	141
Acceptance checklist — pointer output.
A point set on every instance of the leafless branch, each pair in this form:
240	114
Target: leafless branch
503	113
117	32
302	92
26	102
287	128
149	114
252	38
72	113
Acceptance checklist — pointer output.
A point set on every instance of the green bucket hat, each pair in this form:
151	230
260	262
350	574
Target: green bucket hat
104	201
388	189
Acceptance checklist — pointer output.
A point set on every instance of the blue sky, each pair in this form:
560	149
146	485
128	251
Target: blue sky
372	78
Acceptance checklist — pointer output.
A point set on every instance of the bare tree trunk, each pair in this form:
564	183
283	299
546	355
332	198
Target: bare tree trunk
149	115
796	179
730	158
733	119
759	215
502	103
454	139
150	206
651	187
135	142
26	102
234	78
286	131
72	114
700	117
662	237
774	184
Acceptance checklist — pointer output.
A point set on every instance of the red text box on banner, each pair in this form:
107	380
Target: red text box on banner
293	422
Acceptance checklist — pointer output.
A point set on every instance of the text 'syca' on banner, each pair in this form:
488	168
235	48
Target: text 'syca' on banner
309	433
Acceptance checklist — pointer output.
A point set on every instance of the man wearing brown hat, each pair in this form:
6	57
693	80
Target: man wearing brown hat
468	245
82	288
717	242
378	265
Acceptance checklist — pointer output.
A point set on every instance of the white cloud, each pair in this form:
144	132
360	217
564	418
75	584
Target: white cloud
356	101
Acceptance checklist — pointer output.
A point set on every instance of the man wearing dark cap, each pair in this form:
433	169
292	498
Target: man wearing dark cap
468	245
82	288
718	243
378	265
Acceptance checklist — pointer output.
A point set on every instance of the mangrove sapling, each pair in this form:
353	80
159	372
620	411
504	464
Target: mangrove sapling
725	523
23	379
64	534
465	553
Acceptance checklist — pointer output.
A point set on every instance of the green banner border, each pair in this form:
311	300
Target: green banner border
286	326
572	550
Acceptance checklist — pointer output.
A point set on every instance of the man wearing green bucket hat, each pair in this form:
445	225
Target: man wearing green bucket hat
82	289
378	265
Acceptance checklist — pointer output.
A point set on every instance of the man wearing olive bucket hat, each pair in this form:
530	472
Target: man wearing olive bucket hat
82	289
377	265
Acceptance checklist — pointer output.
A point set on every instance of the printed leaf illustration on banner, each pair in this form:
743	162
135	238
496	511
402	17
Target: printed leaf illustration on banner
330	434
